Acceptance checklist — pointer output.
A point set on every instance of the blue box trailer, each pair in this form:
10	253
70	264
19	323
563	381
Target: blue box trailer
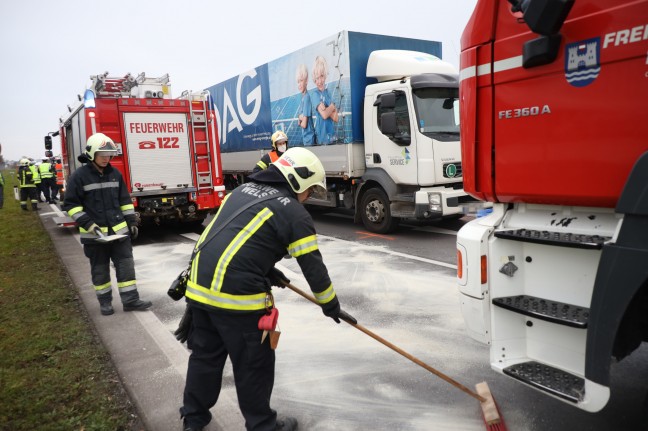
254	104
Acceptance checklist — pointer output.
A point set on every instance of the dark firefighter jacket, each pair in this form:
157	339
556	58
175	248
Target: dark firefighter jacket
93	197
28	176
266	159
228	273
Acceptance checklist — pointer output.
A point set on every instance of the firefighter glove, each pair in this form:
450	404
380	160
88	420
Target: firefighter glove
184	327
333	310
94	229
134	231
277	278
347	317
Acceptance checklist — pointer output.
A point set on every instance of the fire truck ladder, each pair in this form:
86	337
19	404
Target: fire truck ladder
199	122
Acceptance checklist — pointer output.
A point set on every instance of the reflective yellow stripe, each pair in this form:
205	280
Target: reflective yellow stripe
103	229
74	210
262	165
127	209
227	301
103	286
303	246
209	226
126	283
121	228
233	247
325	296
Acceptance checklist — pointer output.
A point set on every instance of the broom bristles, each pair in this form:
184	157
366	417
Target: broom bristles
491	415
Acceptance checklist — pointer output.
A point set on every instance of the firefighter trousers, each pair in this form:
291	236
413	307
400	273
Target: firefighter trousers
214	337
121	254
49	189
30	193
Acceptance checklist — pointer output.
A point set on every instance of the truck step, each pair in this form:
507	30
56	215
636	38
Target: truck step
545	309
549	379
562	239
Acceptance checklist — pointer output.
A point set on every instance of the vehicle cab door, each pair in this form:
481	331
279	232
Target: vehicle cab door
393	147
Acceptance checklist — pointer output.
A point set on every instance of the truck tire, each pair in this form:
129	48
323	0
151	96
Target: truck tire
375	212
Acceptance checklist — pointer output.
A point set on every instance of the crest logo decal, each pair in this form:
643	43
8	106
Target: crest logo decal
583	61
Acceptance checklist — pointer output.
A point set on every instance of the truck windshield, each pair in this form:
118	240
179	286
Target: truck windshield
437	112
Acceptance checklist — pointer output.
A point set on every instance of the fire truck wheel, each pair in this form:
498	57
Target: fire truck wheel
375	212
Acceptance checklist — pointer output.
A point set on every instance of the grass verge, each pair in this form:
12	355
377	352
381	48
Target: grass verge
54	372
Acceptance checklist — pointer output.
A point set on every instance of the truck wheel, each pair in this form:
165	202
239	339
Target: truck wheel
375	212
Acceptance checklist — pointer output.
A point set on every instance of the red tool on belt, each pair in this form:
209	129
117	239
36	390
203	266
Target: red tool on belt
267	324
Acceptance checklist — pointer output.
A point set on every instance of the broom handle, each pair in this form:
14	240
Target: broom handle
397	349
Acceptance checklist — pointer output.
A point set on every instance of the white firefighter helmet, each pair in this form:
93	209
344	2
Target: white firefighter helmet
24	162
100	143
277	138
303	170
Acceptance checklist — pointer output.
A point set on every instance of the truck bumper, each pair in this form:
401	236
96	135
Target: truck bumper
439	202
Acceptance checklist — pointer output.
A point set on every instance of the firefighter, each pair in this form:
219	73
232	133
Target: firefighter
58	169
1	190
98	201
229	288
279	146
48	185
28	181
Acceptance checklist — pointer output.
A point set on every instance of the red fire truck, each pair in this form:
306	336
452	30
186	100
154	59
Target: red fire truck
554	130
168	148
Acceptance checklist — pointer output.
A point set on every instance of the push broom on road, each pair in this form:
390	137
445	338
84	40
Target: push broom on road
482	393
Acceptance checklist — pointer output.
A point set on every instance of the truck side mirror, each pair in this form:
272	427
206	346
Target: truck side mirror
386	101
48	142
545	17
388	123
389	127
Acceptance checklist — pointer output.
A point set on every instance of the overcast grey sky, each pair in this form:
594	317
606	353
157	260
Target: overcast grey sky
49	49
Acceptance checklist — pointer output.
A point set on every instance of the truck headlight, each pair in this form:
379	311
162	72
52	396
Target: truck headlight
435	202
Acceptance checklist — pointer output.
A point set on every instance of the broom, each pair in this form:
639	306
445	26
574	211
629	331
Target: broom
491	415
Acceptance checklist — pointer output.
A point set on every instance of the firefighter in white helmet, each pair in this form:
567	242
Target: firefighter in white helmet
98	200
48	183
230	288
279	146
28	180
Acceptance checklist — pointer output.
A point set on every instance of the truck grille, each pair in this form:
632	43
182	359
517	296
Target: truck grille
452	170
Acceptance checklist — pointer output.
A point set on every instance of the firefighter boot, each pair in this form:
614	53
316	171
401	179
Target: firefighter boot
187	427
105	303
286	423
106	309
34	206
137	305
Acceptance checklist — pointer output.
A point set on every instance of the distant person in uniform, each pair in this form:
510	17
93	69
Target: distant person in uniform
1	190
305	109
327	113
48	183
279	146
58	168
28	181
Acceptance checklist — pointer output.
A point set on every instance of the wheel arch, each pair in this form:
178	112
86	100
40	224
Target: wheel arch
621	285
373	178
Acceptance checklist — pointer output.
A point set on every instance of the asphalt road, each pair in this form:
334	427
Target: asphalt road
402	287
